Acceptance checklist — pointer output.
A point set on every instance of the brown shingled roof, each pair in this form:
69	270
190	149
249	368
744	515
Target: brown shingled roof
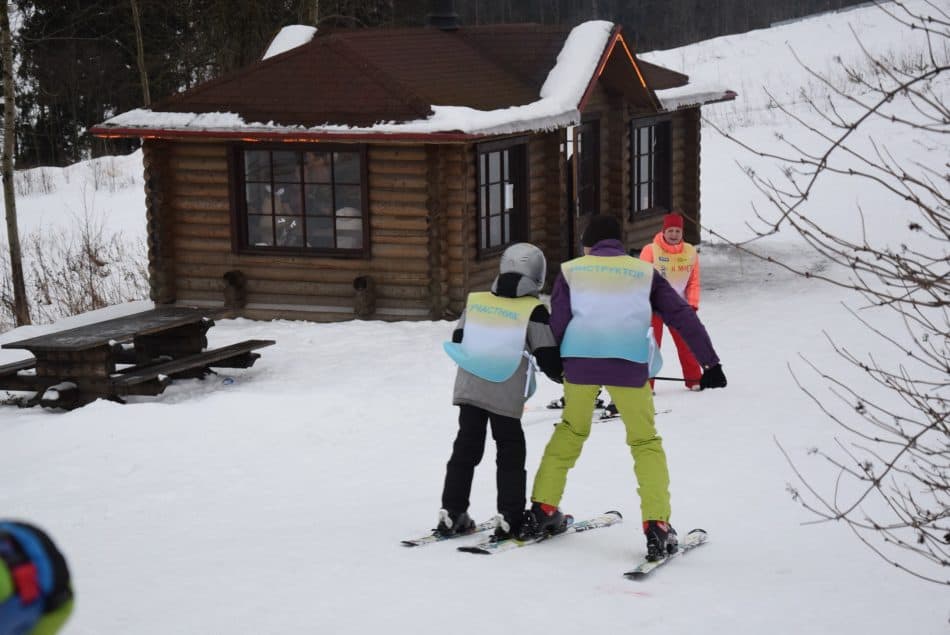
361	77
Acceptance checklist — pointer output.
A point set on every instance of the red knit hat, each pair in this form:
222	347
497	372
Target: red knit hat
672	220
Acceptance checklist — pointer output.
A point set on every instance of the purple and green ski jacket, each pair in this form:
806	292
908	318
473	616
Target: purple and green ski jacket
664	301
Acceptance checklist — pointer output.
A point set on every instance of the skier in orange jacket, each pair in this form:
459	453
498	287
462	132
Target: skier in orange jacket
678	262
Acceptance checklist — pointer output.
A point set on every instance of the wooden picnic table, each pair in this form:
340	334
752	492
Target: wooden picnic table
152	346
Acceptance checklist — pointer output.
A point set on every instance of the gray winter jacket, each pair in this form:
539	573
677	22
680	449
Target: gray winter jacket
507	398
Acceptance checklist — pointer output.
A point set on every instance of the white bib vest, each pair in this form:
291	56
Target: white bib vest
611	312
495	331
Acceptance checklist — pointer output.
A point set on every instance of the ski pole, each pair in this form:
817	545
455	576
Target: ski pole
668	378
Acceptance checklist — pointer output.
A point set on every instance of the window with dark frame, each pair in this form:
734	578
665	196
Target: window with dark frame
650	167
502	196
303	200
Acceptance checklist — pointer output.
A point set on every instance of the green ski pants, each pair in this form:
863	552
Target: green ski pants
649	460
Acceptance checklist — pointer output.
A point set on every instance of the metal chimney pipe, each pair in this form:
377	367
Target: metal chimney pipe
443	16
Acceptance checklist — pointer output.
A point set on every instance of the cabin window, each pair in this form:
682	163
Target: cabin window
310	200
502	196
650	167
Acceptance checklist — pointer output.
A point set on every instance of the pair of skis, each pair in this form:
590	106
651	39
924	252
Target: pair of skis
494	545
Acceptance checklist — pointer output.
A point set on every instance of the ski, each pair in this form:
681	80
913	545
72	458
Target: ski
492	545
606	415
433	537
693	539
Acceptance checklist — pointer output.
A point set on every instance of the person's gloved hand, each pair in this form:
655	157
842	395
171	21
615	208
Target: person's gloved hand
713	377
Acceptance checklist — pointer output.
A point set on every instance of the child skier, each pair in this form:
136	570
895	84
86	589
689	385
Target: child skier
492	344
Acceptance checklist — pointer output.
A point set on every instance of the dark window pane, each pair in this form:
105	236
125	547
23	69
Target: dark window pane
316	167
346	167
482	169
289	202
258	198
483	202
507	227
506	161
348	196
260	230
320	200
286	167
289	231
319	232
257	165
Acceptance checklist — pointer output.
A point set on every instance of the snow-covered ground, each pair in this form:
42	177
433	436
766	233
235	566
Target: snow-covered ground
272	500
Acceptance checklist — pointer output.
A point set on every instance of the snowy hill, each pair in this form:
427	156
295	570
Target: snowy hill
273	500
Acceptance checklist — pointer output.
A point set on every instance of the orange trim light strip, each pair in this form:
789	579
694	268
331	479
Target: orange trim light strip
632	61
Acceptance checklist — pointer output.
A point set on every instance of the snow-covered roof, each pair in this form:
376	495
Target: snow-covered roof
690	96
406	84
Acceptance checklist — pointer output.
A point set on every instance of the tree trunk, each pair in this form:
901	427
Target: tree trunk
140	52
21	309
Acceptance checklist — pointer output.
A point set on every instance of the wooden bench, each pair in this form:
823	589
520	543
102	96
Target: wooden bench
234	356
14	367
11	379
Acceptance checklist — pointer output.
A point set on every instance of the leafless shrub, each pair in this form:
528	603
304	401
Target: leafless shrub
34	181
75	270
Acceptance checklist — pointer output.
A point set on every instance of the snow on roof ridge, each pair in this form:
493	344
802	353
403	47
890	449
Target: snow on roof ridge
289	37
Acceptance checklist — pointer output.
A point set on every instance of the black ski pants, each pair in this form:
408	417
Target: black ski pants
467	453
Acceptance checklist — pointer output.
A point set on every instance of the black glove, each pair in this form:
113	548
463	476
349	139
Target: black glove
713	377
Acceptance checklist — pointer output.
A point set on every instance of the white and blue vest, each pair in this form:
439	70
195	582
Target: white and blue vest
495	331
610	310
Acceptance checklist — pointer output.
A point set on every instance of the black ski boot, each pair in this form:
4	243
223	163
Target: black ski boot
610	412
508	524
454	523
661	539
542	519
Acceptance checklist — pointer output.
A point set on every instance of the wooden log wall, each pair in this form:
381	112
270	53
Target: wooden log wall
161	266
458	192
422	222
555	211
690	122
197	211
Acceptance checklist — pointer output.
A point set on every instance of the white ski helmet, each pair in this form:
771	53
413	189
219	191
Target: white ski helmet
526	259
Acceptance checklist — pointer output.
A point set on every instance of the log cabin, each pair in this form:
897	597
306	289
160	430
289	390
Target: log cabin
380	173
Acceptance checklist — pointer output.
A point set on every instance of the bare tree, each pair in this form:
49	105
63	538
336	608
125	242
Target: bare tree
140	52
893	483
21	308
